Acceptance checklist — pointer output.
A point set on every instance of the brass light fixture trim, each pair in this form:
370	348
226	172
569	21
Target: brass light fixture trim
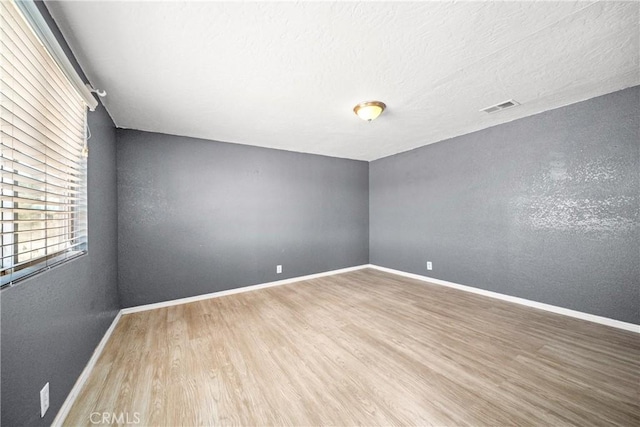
369	110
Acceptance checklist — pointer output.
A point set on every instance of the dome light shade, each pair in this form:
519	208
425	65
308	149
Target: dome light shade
369	110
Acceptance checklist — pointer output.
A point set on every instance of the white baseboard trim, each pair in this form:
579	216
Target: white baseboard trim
238	290
75	391
522	301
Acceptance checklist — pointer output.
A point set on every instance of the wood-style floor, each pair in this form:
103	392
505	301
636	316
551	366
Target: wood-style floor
363	348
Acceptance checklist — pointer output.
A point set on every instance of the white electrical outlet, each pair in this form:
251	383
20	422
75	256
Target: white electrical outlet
44	400
429	265
278	269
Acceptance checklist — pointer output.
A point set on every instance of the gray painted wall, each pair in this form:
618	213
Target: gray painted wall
543	208
199	216
52	322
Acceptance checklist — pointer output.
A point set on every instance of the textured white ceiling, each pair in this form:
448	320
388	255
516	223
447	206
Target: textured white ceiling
287	75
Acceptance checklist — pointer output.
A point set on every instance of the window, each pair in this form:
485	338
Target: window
43	166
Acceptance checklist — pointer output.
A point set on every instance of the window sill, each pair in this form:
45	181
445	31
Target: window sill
37	269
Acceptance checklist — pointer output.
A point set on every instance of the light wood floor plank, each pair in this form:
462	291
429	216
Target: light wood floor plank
362	348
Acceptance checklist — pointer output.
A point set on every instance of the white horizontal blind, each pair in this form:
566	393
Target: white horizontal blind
42	125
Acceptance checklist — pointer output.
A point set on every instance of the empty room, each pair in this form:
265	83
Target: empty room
308	213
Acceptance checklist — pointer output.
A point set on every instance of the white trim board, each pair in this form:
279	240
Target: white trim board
522	301
75	390
238	290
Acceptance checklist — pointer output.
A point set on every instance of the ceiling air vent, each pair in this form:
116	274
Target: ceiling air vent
501	106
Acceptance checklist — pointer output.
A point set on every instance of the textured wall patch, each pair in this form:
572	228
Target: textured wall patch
580	196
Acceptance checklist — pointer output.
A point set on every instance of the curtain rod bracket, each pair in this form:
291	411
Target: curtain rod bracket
100	93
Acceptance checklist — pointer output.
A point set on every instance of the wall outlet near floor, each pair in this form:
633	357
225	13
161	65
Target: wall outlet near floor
44	400
429	265
278	269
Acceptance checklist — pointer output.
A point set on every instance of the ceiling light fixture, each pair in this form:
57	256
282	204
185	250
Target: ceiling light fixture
369	110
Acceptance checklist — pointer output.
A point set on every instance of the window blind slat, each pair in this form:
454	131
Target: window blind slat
43	216
51	189
24	154
37	230
14	160
45	237
38	244
18	171
27	112
23	222
41	242
34	80
32	50
71	248
9	192
37	133
28	144
31	93
23	93
42	166
19	146
27	210
31	182
19	190
21	201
